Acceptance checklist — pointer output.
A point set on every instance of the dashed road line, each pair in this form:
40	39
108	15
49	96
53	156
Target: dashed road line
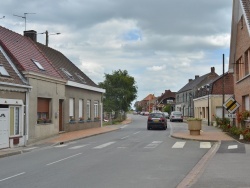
12	176
77	147
179	145
64	159
103	145
233	147
205	145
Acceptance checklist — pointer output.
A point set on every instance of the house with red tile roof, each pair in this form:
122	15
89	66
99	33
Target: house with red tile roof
166	98
62	96
14	92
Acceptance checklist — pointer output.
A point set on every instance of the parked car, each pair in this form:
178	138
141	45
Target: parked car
157	120
176	116
166	114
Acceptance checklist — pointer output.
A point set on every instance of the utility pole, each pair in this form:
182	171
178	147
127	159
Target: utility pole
223	88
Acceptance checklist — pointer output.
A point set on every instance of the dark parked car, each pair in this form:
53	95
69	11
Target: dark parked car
156	120
176	116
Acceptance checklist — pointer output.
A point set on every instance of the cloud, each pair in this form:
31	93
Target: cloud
160	43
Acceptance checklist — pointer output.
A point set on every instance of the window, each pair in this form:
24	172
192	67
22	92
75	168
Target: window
71	108
96	109
239	69
68	74
15	121
241	22
80	108
81	78
245	101
247	62
38	64
88	109
3	71
43	110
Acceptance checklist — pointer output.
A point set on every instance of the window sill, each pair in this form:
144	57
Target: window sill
243	78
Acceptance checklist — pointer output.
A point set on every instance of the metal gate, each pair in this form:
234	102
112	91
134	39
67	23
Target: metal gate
4	127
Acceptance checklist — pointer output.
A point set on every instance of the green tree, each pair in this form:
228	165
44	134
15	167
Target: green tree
167	108
120	91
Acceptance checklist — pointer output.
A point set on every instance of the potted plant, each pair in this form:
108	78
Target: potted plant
194	125
81	119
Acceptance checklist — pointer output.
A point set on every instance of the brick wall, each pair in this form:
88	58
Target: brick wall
241	87
228	86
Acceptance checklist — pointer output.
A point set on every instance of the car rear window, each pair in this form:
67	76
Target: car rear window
156	115
177	113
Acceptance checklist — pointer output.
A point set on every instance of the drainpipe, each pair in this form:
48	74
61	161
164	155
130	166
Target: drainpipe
26	117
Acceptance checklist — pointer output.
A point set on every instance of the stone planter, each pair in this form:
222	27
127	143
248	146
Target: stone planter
194	127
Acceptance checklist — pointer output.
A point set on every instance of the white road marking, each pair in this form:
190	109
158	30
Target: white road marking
233	147
154	144
12	176
60	146
124	126
179	145
77	147
63	159
137	132
124	137
103	145
205	145
30	148
122	147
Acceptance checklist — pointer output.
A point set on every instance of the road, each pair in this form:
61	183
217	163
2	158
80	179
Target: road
127	158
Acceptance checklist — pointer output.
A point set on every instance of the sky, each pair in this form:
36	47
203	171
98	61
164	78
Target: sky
161	43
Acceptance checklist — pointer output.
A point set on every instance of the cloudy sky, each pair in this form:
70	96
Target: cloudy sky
161	43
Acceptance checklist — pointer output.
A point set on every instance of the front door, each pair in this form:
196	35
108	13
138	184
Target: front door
60	115
4	128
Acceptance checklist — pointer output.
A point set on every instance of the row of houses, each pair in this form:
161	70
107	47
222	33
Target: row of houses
204	96
42	93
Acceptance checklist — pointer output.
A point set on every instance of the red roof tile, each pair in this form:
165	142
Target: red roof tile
24	51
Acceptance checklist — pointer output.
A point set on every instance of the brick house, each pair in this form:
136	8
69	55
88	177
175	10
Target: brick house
208	100
166	98
239	60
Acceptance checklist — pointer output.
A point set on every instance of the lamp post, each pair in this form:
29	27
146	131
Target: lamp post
208	113
47	36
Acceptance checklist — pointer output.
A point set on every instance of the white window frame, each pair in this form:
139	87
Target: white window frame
38	64
247	102
88	109
80	108
71	107
96	109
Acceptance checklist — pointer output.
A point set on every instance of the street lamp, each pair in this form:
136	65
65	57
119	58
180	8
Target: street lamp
47	36
208	113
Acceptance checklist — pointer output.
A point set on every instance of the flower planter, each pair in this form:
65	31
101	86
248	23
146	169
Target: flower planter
194	127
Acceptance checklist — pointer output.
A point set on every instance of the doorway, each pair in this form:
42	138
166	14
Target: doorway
4	127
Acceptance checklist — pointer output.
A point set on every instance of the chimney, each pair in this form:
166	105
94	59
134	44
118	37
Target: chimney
196	76
190	80
212	70
31	34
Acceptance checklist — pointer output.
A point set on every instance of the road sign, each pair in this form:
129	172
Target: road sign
231	105
230	115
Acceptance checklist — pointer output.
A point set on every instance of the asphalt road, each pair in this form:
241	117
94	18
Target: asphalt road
132	157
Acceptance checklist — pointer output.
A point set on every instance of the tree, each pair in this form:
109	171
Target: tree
120	91
167	108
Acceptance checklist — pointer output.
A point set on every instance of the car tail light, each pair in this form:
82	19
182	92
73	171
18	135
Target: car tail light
162	119
149	118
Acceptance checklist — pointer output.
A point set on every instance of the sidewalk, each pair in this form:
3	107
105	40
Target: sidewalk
208	133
